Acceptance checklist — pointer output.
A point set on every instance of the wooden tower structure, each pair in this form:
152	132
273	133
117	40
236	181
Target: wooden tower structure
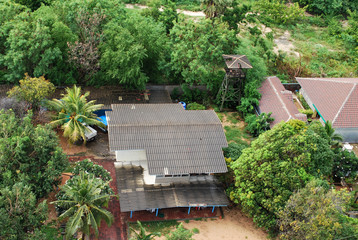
233	83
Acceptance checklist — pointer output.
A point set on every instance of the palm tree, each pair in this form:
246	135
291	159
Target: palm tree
82	203
335	138
74	111
142	235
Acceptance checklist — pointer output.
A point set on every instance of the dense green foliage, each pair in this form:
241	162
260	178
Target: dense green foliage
234	150
35	155
258	124
32	90
317	212
96	170
329	7
82	201
276	164
19	211
197	51
31	163
134	49
91	168
73	111
345	166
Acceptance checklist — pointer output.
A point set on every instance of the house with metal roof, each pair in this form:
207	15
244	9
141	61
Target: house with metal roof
279	101
335	100
166	156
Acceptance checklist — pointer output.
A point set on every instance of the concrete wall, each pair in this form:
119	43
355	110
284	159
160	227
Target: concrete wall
349	134
172	179
131	155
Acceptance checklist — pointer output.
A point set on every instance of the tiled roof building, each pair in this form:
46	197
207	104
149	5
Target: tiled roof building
276	99
336	100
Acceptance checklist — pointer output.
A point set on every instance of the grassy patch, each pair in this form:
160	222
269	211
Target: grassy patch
233	117
163	227
234	134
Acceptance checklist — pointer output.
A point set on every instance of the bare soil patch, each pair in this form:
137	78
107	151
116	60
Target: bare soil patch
234	225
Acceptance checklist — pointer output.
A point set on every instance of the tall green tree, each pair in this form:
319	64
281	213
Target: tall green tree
30	154
36	43
20	212
276	164
73	111
82	202
215	8
133	50
317	212
197	51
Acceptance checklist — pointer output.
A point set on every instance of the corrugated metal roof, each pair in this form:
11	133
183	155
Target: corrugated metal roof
134	195
174	139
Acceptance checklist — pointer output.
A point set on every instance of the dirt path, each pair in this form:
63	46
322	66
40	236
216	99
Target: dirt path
234	226
185	12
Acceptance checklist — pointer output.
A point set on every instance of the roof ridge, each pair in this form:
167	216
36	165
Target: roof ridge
344	103
326	79
278	95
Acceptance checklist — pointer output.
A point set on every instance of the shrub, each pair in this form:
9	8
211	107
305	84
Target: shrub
89	167
308	112
281	13
234	150
258	124
195	106
32	90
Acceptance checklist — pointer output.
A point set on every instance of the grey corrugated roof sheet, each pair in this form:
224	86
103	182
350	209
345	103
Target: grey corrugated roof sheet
136	196
176	141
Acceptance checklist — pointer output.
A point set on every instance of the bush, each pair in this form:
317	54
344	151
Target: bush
258	124
195	106
345	165
280	13
303	101
315	212
308	112
89	167
234	150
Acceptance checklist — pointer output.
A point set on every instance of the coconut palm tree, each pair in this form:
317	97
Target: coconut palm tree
73	111
335	138
82	201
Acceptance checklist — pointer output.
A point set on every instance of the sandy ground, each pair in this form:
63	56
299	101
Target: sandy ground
185	12
234	226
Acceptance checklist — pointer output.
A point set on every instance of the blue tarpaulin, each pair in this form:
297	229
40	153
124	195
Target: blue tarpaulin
102	115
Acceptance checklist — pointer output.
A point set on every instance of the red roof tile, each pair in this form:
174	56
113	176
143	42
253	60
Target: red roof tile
335	98
276	99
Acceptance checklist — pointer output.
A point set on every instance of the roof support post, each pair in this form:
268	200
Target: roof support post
131	214
213	209
156	212
189	211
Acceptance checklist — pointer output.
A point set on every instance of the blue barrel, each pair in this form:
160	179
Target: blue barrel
183	104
